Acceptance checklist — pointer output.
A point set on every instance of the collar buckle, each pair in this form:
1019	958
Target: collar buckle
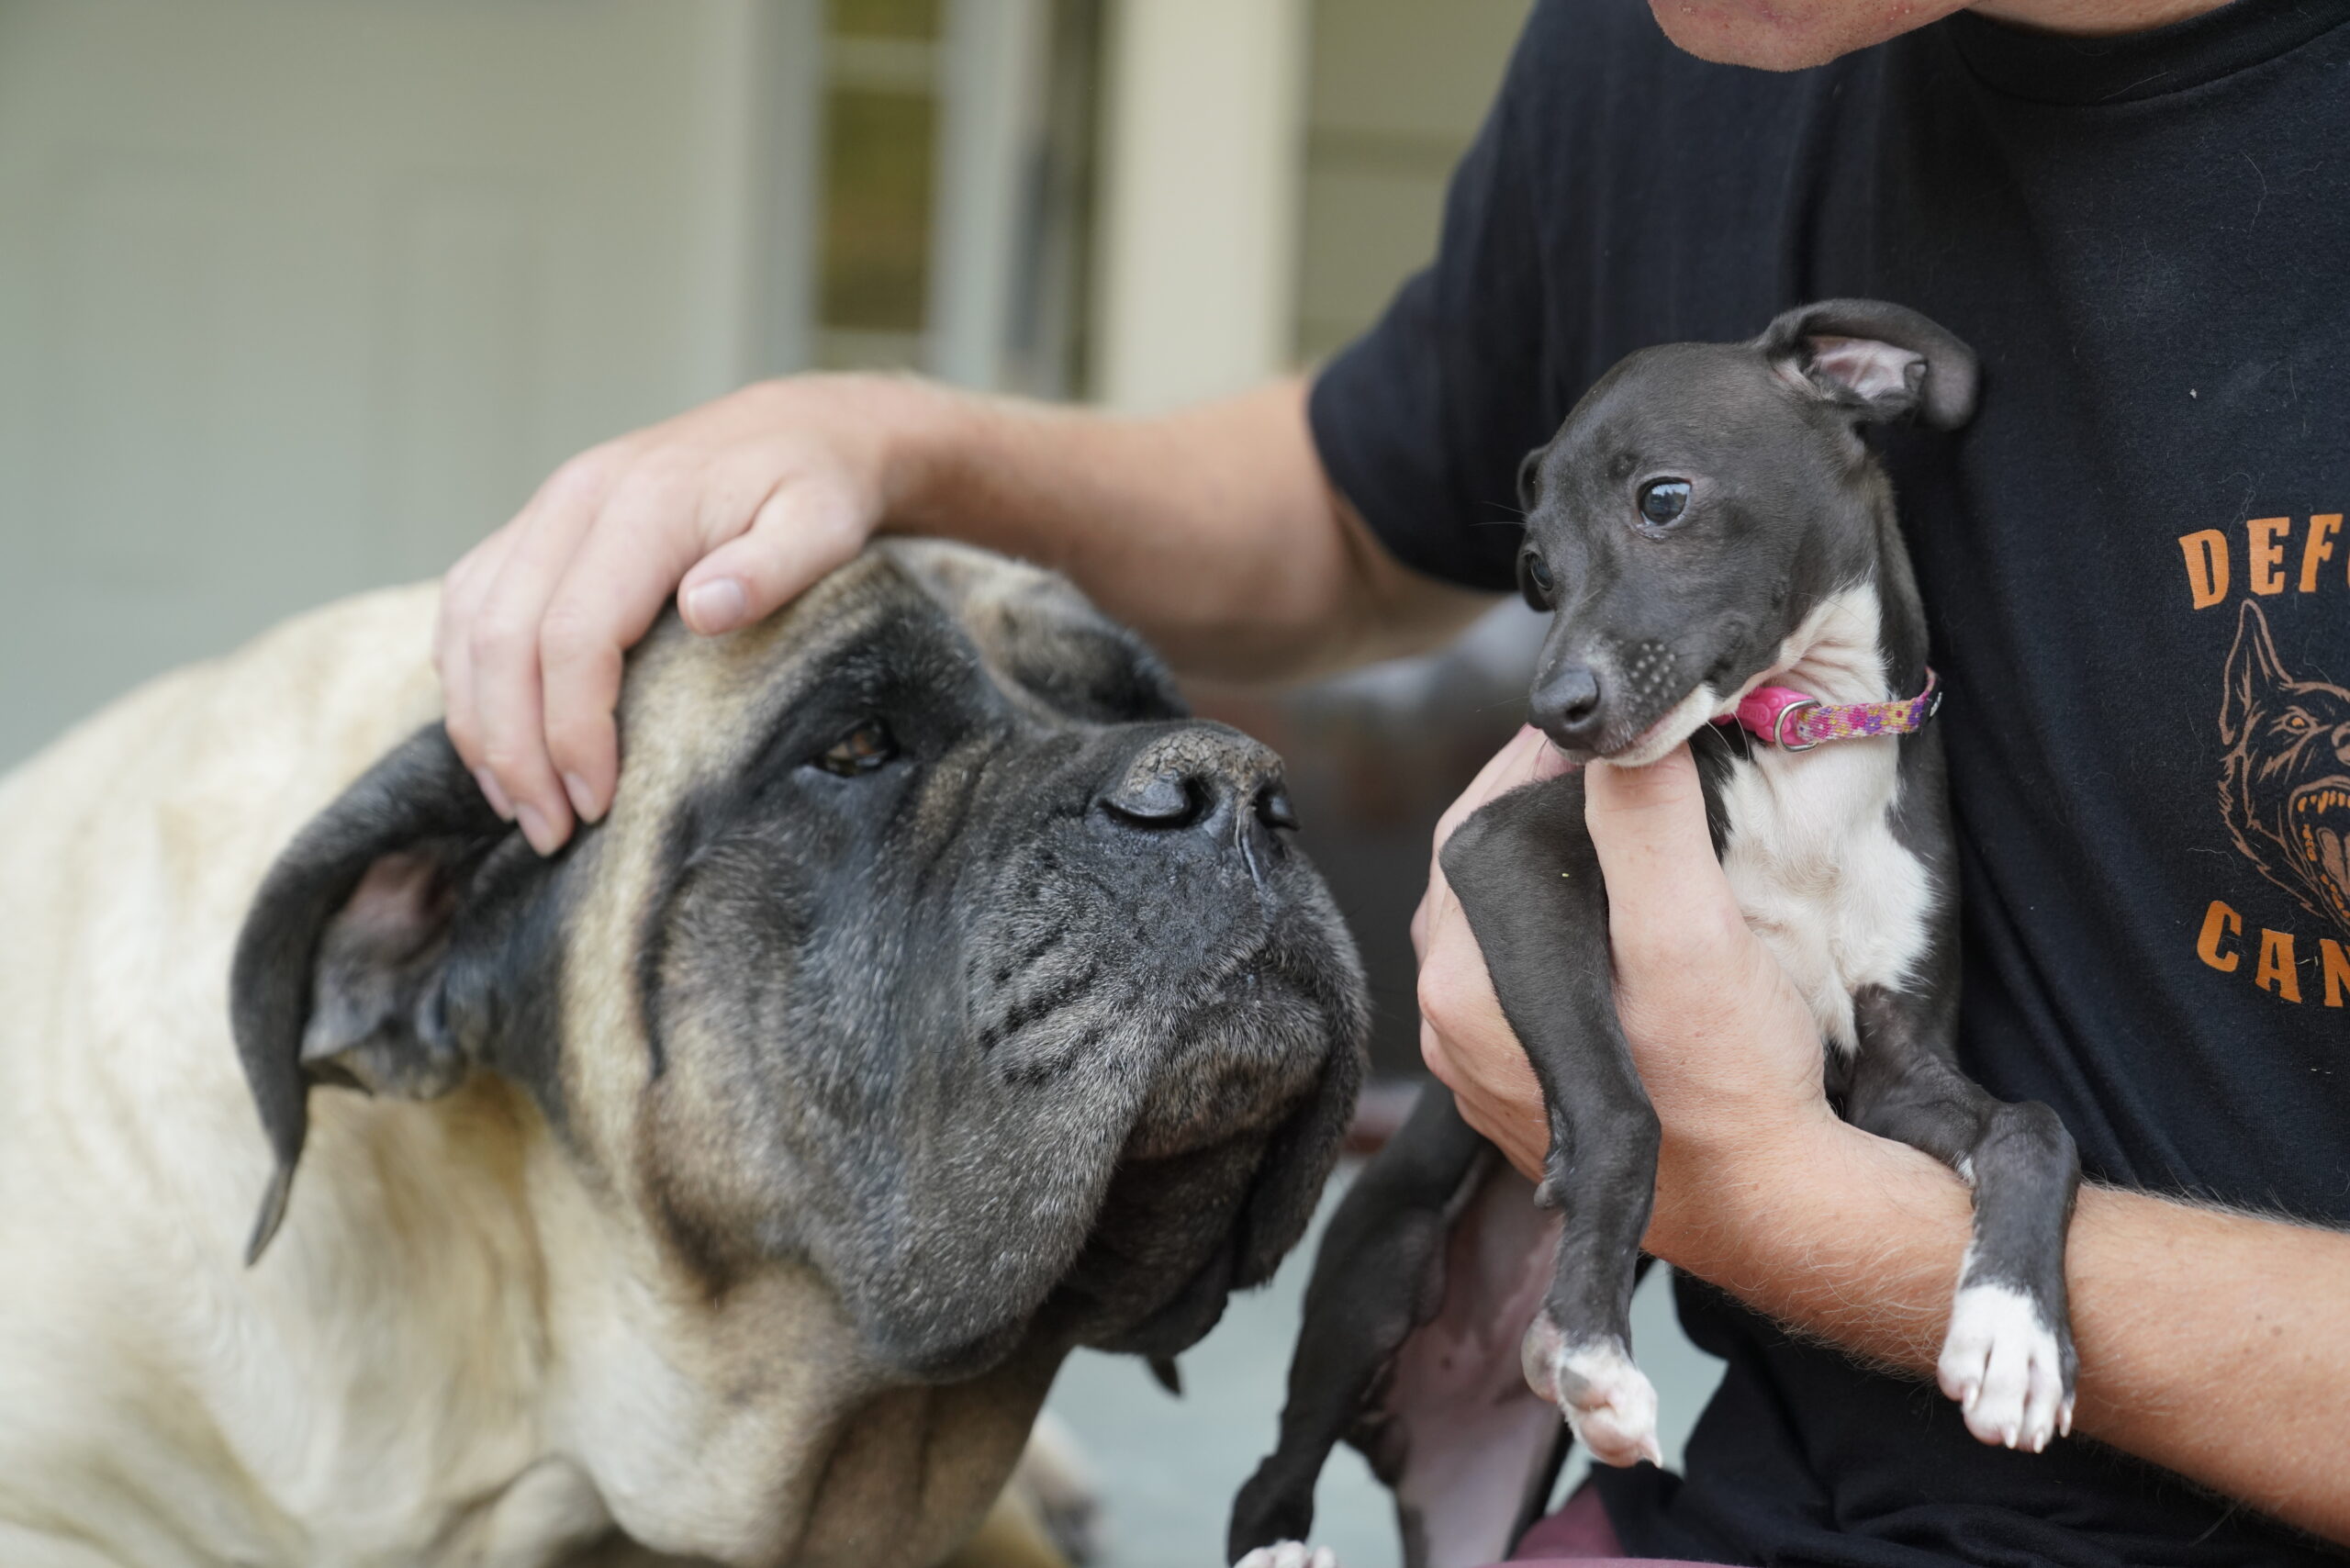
1792	713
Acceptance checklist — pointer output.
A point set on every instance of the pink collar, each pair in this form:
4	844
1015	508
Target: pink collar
1781	716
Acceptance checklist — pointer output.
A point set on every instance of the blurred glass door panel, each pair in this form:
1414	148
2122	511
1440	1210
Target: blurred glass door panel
958	141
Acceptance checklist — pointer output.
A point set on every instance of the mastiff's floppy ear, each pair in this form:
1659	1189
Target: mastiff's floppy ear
1879	361
341	969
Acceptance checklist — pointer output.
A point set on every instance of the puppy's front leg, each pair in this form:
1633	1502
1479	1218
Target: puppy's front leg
1528	882
2007	1358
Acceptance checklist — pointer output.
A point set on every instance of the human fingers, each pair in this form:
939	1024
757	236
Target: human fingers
1667	897
655	524
503	640
1468	1044
1728	1047
469	598
1527	758
738	541
807	526
462	591
1464	1038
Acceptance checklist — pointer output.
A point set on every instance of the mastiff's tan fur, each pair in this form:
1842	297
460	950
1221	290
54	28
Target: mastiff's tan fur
486	1332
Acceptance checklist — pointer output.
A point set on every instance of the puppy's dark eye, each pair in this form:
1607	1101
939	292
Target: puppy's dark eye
861	750
1662	500
1534	581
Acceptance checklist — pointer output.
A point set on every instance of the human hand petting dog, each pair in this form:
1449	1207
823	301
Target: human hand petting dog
1211	530
1727	1049
739	503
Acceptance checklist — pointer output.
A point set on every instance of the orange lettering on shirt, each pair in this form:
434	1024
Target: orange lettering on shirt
2318	549
2276	972
2337	969
2268	554
2218	921
2207	565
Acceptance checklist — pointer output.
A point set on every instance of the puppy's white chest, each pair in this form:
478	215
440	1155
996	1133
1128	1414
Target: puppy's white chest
1813	861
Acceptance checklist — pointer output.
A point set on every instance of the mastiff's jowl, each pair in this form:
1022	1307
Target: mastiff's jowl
937	998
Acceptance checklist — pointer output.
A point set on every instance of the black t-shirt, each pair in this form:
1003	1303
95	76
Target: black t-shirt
2140	585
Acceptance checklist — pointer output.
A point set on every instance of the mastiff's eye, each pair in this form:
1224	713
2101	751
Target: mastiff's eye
1662	500
1534	581
2299	721
861	750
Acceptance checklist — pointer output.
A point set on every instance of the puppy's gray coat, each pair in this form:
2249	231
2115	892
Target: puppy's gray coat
936	998
1708	520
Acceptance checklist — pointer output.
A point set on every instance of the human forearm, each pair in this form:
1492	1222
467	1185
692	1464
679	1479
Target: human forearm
1212	530
2214	1344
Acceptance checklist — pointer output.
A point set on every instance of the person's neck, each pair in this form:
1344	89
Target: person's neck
2093	19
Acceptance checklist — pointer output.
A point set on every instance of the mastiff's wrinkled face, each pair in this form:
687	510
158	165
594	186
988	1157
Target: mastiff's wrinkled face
928	944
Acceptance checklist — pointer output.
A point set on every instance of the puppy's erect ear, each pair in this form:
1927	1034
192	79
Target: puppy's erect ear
340	968
1881	360
2253	671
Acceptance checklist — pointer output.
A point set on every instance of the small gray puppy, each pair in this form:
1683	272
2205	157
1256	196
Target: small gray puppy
1718	551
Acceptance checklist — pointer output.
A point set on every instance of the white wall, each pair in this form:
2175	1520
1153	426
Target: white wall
298	297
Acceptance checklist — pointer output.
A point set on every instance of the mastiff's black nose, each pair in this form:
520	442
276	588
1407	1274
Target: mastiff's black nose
1566	706
1202	778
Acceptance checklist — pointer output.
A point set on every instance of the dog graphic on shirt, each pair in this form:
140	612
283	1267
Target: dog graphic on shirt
2285	786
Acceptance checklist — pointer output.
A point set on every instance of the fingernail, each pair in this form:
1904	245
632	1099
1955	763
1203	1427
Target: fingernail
493	794
534	828
581	800
715	606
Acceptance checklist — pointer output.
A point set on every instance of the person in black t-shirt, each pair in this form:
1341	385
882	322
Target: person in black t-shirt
2135	562
2140	580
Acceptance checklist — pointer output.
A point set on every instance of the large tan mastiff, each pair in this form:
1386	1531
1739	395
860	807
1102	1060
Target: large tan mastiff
936	998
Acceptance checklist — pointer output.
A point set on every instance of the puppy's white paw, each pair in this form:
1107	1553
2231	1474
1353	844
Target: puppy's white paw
1289	1554
2006	1368
1608	1401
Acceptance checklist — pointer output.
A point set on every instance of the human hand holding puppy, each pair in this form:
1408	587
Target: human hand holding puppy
1762	1191
1728	1051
